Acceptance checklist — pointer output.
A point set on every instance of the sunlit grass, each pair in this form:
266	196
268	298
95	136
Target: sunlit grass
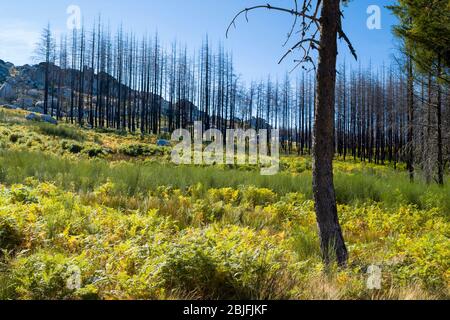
139	227
134	178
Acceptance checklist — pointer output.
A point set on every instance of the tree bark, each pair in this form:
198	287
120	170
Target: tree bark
410	118
332	241
439	127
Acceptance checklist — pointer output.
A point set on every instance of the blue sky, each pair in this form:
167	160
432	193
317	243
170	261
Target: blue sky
256	46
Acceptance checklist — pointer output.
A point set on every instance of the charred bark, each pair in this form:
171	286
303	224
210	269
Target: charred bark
332	240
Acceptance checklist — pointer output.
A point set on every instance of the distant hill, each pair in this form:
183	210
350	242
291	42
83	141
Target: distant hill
22	87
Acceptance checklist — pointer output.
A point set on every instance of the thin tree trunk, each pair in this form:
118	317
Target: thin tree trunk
410	119
439	128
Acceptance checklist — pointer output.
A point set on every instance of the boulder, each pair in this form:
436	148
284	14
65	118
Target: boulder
7	91
163	143
33	117
49	119
41	118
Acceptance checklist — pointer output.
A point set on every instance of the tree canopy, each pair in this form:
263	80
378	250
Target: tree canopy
425	28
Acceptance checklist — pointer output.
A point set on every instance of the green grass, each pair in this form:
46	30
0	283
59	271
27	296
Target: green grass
61	131
139	227
11	118
137	178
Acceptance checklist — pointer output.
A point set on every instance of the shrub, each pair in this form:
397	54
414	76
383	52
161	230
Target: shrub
135	150
44	276
228	263
258	196
94	151
22	194
136	250
209	212
14	137
296	165
72	147
227	195
62	131
7	291
139	149
426	259
10	236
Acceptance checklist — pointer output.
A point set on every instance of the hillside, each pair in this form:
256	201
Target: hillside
23	86
97	214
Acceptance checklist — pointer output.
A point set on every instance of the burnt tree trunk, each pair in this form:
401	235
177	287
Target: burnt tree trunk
332	241
410	118
46	88
439	127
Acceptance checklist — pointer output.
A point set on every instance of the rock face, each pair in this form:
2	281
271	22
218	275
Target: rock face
5	70
26	83
7	91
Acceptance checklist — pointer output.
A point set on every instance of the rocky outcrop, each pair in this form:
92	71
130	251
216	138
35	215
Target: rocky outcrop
7	91
23	86
28	78
5	70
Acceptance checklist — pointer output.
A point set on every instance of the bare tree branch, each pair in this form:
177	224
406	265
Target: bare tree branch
293	25
269	7
343	36
297	45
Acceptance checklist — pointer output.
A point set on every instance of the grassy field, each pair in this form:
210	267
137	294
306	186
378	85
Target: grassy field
110	213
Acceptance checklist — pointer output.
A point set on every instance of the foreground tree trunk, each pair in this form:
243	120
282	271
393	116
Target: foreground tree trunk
332	241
